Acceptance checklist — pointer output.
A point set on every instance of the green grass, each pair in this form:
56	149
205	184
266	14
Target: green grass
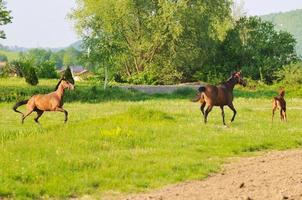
129	144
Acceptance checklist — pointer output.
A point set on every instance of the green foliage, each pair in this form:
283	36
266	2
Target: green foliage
64	57
68	75
143	40
5	17
290	74
255	47
31	76
47	69
21	66
288	21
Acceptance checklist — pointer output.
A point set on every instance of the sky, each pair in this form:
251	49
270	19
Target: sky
39	23
43	23
263	7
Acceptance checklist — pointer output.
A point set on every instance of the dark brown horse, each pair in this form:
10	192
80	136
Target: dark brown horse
221	95
45	102
280	103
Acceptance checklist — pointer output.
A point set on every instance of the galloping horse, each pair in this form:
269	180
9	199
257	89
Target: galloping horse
221	95
45	102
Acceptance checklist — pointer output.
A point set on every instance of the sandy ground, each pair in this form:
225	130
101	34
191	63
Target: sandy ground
275	175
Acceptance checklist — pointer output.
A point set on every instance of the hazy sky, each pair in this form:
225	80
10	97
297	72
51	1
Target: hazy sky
262	7
39	23
43	23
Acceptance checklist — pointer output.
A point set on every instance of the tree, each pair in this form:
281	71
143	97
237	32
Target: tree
71	56
38	55
5	17
21	66
257	48
68	75
149	41
31	76
47	70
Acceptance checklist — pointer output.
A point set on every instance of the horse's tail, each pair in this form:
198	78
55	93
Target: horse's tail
19	104
199	95
201	89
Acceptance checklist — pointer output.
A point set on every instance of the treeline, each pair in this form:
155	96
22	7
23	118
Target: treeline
166	42
40	63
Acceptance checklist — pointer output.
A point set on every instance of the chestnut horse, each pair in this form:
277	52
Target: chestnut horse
221	95
280	103
45	102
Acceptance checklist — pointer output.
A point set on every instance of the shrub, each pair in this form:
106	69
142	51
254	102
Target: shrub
31	76
68	75
290	74
21	66
47	70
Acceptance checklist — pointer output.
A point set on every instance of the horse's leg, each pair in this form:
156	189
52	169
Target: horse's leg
285	117
222	113
28	112
231	106
273	113
202	108
281	115
64	111
39	112
208	110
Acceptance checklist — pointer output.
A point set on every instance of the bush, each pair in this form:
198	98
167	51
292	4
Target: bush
290	74
68	75
21	66
47	70
31	76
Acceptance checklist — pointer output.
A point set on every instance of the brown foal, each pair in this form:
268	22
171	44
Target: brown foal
221	95
280	103
45	102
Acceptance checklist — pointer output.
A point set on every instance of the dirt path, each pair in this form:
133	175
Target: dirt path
275	175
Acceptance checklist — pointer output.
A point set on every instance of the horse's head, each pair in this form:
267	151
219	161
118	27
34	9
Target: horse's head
67	85
239	78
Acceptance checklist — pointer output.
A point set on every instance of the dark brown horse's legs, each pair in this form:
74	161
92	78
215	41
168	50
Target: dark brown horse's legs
39	112
281	115
222	113
234	111
202	108
208	110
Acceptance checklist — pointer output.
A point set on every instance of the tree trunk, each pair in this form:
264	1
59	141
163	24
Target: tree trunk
106	77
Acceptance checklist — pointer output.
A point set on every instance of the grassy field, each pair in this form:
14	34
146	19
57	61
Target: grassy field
131	144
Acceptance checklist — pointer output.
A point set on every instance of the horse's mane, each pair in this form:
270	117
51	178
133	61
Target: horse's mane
282	92
57	86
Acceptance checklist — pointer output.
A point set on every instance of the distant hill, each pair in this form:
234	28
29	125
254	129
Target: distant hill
289	21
